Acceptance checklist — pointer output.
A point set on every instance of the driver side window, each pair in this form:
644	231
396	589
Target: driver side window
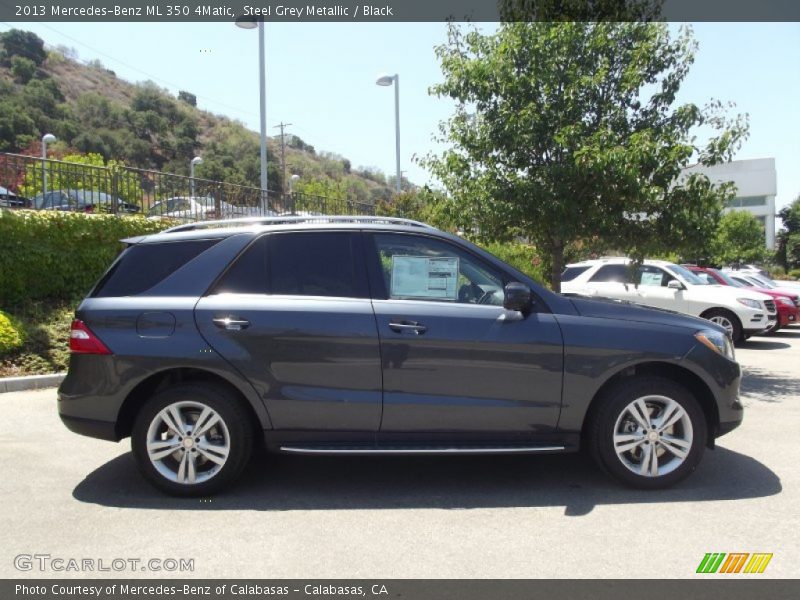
421	268
654	276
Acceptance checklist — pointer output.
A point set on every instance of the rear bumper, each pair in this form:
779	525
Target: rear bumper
103	430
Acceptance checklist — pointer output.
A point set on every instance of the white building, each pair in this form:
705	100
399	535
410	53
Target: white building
756	185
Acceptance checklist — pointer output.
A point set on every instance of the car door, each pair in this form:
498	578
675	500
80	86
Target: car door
653	291
293	315
454	361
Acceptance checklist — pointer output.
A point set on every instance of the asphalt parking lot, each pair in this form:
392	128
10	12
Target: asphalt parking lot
436	517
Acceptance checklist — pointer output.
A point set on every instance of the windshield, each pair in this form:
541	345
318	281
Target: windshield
760	281
686	275
726	278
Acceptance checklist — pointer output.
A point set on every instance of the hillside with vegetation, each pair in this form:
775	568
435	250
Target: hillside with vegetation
90	110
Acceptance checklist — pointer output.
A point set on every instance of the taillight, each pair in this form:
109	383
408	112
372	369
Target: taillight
82	340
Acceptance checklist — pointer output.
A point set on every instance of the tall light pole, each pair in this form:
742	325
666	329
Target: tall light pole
250	23
197	160
46	139
387	80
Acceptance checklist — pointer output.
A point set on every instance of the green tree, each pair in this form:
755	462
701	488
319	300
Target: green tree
22	68
569	131
740	238
788	252
187	97
17	42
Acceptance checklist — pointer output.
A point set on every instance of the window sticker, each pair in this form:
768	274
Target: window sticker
424	277
650	278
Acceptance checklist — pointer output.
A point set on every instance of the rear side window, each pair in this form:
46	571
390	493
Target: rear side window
606	273
144	265
248	275
315	264
571	273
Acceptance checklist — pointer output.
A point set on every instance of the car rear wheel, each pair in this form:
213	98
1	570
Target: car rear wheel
729	321
192	440
648	432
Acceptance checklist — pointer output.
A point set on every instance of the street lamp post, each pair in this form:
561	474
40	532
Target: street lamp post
250	23
46	139
387	80
289	202
292	179
197	160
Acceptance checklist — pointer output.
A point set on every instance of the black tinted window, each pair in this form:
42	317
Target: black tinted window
314	264
142	266
611	273
248	274
571	273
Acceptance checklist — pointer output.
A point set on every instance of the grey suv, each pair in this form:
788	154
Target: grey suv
367	335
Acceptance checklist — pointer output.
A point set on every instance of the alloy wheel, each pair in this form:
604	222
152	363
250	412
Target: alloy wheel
724	322
188	442
653	436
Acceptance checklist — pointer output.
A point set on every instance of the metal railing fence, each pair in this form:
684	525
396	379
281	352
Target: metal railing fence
46	184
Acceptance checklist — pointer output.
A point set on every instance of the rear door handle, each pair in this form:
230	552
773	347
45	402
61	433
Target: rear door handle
407	326
231	323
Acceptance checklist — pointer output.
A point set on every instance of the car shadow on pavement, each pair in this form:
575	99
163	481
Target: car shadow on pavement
767	386
281	483
794	332
764	344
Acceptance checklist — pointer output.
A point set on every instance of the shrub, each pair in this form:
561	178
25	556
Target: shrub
522	257
11	334
22	68
794	274
60	255
777	272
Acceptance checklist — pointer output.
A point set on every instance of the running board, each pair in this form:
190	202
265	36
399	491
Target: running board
420	450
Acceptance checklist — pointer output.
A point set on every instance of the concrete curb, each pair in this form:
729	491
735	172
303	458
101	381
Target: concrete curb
31	382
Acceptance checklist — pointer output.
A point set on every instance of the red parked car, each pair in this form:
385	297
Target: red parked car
788	304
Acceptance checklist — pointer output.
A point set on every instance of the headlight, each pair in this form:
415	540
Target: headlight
749	302
784	300
717	341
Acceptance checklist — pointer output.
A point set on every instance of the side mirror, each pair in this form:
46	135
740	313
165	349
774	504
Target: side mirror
517	296
674	284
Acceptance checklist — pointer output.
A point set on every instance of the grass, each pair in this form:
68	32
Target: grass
46	347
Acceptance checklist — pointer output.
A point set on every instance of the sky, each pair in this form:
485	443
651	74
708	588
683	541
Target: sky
321	79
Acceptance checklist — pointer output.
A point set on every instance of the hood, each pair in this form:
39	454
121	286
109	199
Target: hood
607	308
726	291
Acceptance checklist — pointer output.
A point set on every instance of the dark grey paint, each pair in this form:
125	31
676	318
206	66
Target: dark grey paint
333	369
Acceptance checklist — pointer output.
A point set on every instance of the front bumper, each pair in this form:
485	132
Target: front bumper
788	316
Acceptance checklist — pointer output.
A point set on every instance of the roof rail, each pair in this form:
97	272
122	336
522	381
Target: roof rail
290	220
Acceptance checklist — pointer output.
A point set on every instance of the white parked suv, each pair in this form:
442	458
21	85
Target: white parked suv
667	285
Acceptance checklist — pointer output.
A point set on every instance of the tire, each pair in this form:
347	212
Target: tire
729	321
625	458
198	466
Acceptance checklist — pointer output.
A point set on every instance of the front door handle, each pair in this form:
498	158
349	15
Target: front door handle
407	326
231	323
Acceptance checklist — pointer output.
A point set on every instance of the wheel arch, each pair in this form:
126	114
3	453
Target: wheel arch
678	374
717	309
153	384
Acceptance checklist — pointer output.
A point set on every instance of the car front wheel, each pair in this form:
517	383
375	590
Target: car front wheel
729	321
649	432
192	440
